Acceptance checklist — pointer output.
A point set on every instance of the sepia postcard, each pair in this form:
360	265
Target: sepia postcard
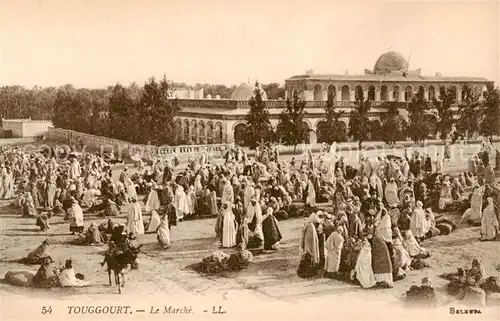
249	160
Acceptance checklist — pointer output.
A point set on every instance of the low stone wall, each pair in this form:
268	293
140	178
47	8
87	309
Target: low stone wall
78	141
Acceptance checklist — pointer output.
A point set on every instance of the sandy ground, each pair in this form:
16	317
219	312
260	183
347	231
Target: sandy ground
272	278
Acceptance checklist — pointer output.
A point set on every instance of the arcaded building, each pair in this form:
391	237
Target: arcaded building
222	120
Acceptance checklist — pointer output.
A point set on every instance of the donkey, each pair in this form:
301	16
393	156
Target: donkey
118	261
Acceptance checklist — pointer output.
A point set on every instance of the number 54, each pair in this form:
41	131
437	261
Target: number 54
47	310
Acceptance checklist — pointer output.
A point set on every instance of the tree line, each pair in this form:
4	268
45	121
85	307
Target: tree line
145	114
476	116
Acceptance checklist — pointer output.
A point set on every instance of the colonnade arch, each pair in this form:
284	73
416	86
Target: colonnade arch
192	131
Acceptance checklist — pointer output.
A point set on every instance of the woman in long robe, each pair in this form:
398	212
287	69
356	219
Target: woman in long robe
153	201
254	220
135	224
50	194
402	260
489	222
180	202
191	200
381	262
311	194
8	185
198	186
270	229
309	242
363	270
418	222
445	197
76	217
391	193
228	227
333	246
154	222
28	205
163	232
227	192
474	213
412	247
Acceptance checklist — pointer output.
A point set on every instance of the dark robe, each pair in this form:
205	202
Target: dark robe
381	258
355	227
404	222
271	232
45	277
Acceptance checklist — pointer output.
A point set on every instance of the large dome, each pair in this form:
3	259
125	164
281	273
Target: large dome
245	92
388	62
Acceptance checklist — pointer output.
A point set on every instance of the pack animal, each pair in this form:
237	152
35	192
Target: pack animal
118	261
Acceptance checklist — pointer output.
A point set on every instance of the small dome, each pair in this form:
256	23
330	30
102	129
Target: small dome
245	92
388	62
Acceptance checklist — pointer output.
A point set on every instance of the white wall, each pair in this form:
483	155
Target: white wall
26	127
15	126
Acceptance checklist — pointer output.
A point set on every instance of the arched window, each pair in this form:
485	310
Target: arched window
431	94
194	131
408	93
383	93
186	131
395	93
358	93
201	133
371	93
210	133
178	130
332	92
239	134
218	133
346	93
463	94
318	93
321	132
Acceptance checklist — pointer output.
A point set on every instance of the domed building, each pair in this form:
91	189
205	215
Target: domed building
390	62
245	91
222	121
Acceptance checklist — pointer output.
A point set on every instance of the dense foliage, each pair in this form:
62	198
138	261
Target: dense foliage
418	127
332	129
258	126
291	129
359	123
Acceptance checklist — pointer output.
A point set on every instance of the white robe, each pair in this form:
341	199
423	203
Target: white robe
249	193
154	221
311	194
228	229
391	194
135	223
74	170
163	232
76	215
67	278
333	246
489	223
153	202
227	194
363	268
257	212
418	222
180	203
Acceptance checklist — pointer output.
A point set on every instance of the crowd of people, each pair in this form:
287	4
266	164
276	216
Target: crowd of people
370	230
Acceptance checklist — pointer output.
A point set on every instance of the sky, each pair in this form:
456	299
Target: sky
96	44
